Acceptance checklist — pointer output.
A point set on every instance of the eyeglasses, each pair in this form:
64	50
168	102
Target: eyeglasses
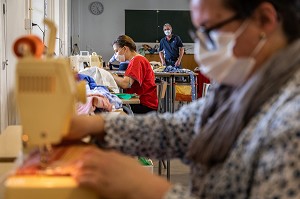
118	50
203	34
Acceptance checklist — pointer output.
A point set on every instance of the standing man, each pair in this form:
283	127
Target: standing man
170	48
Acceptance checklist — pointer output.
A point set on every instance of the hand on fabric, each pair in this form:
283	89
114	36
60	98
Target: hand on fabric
113	175
177	63
84	125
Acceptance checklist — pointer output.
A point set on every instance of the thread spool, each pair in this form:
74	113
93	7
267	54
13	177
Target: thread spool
29	45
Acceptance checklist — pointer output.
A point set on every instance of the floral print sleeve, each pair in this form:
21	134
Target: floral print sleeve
154	135
179	192
278	169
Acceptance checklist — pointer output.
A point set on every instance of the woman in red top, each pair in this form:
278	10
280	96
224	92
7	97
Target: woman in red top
139	77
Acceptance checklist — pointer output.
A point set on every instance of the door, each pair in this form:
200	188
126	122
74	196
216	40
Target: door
3	70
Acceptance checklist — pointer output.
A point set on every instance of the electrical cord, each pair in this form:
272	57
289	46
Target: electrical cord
59	39
34	24
60	45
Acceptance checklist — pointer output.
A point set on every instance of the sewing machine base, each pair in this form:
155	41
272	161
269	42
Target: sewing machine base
45	187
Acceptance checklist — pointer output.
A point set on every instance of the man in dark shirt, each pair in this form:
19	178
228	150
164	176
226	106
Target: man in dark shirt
171	48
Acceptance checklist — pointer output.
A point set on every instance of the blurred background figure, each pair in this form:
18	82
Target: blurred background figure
75	50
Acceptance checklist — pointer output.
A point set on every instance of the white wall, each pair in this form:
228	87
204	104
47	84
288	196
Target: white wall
3	79
96	33
15	16
17	12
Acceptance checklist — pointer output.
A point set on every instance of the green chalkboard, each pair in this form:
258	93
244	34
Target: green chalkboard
147	25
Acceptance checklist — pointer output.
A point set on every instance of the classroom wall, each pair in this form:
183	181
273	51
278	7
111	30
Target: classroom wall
96	33
12	26
12	23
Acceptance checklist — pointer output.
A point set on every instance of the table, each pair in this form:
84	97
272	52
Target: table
126	104
170	78
187	60
134	100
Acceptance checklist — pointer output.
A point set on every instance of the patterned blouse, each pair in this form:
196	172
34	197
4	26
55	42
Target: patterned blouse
264	162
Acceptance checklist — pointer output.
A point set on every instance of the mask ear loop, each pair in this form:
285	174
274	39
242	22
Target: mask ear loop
261	43
241	29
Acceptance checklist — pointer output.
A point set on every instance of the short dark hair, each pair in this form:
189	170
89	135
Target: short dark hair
167	24
288	13
124	40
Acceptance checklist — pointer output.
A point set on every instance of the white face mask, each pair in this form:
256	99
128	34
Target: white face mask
120	58
221	65
167	32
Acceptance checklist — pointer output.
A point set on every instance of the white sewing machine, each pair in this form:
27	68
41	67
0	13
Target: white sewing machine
46	92
80	62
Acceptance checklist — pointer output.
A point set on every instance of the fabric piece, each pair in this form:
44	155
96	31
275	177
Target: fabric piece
93	102
183	93
101	77
114	100
60	161
94	89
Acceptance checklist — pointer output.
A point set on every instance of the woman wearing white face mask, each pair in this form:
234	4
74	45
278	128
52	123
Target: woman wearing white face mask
138	78
242	140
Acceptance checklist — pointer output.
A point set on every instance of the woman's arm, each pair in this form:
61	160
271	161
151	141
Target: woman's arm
154	135
123	82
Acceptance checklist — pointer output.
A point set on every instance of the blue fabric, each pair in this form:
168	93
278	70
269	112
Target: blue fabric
103	90
90	81
171	47
113	99
112	59
123	66
177	69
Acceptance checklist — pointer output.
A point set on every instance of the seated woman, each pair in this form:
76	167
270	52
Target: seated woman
138	78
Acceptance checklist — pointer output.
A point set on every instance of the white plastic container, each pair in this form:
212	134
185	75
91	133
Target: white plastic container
96	60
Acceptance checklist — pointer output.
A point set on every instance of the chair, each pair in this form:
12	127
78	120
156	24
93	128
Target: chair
161	93
127	109
205	89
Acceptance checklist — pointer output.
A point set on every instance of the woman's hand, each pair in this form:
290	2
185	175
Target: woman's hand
113	175
84	125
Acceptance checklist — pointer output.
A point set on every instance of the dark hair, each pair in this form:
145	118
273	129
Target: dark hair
167	24
124	40
288	13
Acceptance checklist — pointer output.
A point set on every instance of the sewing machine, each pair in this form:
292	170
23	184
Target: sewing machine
80	62
46	92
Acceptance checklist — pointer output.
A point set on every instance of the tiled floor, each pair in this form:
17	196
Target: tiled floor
179	172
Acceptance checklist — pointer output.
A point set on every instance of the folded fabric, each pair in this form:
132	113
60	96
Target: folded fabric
101	77
95	101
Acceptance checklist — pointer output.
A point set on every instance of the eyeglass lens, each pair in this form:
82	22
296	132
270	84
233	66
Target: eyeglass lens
204	36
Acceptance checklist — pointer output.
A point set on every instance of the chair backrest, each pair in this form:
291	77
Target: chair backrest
205	89
161	93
